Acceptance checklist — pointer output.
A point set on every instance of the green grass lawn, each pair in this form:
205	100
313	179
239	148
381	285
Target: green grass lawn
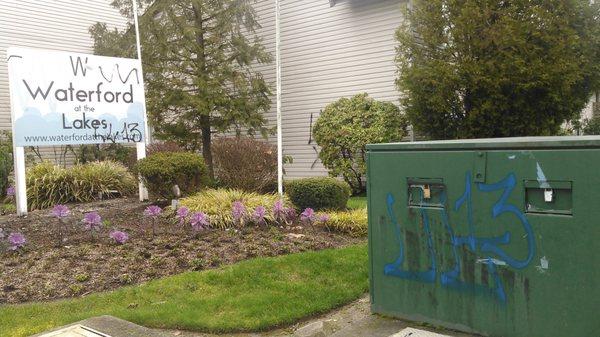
357	202
251	295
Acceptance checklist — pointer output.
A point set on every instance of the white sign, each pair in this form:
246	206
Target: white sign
61	98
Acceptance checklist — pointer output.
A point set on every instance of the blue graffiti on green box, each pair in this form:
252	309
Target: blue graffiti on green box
489	247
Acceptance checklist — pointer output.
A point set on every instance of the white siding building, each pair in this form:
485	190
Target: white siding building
328	52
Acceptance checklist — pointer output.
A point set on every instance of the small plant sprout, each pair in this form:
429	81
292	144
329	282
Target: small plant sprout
307	216
182	214
92	222
259	215
238	211
153	212
61	212
119	237
199	221
16	240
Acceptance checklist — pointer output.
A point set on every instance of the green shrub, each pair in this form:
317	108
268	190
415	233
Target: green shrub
217	204
6	162
5	169
591	126
346	126
353	222
318	193
48	184
163	170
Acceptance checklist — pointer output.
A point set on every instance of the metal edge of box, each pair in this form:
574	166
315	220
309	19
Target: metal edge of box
515	143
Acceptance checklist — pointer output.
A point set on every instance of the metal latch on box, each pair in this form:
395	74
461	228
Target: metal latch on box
548	195
426	192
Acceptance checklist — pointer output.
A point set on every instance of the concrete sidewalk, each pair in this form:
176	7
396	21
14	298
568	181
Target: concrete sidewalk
352	320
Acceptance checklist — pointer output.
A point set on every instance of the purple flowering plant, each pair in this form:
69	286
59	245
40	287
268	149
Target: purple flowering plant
182	214
290	214
238	211
324	218
92	222
10	191
199	221
16	240
279	213
308	216
119	237
61	212
153	212
259	215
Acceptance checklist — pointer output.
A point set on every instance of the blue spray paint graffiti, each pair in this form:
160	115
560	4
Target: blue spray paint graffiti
490	247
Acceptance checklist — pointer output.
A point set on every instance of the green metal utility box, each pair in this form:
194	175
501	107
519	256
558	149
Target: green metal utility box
495	236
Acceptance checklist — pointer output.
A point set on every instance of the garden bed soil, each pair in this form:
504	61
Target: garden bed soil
47	269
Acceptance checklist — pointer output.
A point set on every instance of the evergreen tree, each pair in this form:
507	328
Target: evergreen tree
497	68
198	58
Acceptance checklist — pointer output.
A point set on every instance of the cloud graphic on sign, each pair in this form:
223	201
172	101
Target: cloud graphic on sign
32	124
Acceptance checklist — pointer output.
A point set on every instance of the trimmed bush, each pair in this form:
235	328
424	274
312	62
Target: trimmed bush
218	203
346	126
163	170
353	222
245	164
318	193
48	184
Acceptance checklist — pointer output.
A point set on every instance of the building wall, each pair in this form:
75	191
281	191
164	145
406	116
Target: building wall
48	24
329	53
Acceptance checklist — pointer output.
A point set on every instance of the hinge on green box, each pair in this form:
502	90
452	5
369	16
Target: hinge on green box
479	166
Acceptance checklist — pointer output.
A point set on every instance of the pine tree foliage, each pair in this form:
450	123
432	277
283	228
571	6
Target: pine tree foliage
199	59
497	68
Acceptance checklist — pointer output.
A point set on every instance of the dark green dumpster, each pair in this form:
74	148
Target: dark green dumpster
495	236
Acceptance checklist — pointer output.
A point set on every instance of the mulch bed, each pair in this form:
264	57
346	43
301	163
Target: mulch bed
46	269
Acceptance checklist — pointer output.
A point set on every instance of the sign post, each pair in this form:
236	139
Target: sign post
60	98
141	147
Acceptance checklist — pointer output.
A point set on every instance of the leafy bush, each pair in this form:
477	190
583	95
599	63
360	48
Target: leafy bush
346	126
6	162
318	193
163	170
218	205
591	126
479	69
353	222
245	163
102	152
48	184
